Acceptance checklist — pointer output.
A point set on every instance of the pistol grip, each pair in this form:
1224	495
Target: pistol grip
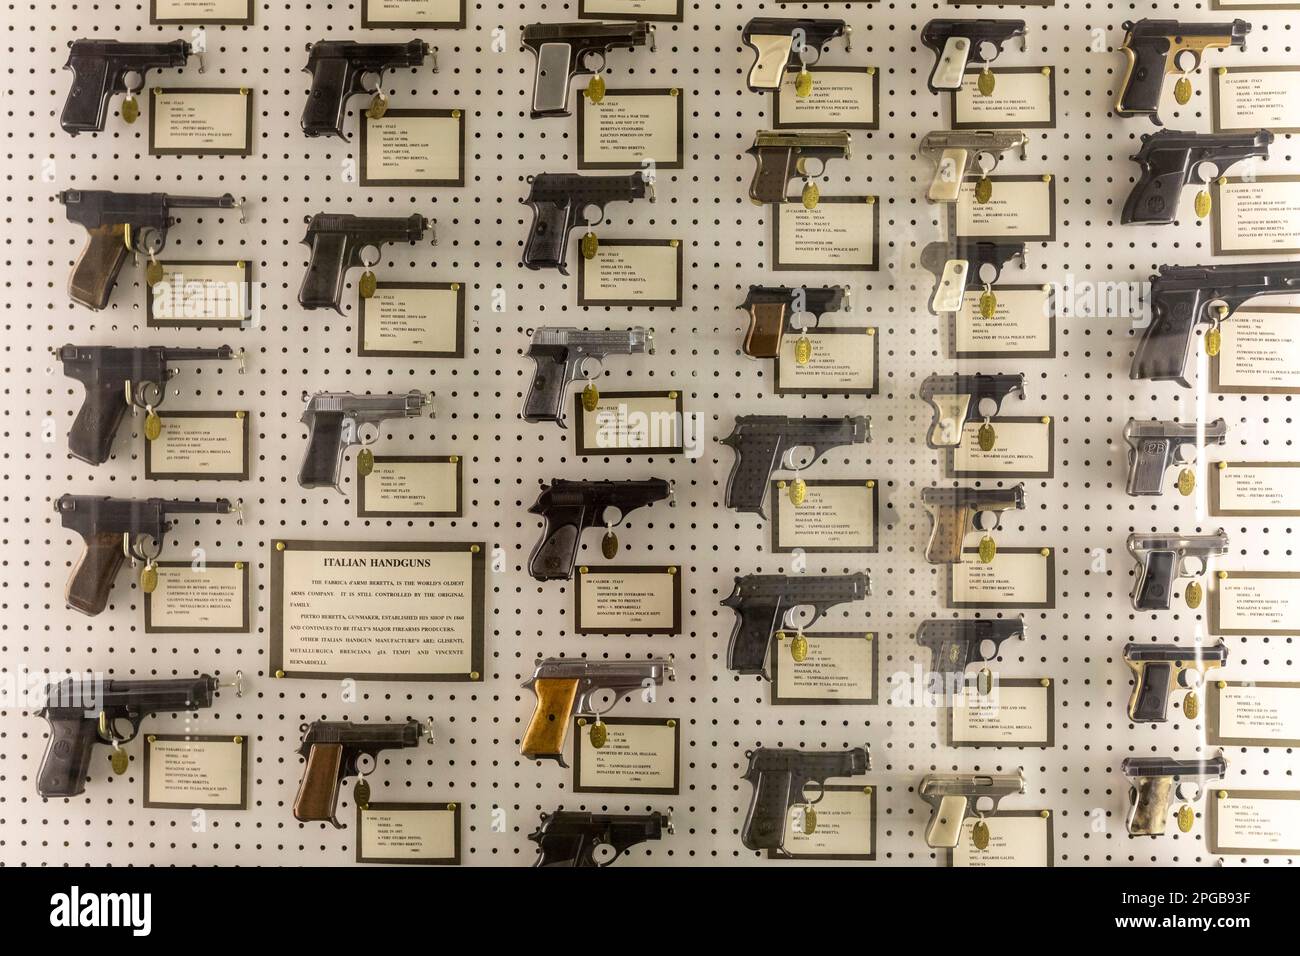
548	240
570	850
756	459
86	107
947	531
331	85
768	808
1155	196
318	792
554	556
98	265
549	727
949	173
92	578
750	637
1155	582
1150	810
946	821
949	421
773	171
322	286
766	326
1147	464
91	437
555	69
771	57
323	459
1149	703
67	757
1144	78
547	391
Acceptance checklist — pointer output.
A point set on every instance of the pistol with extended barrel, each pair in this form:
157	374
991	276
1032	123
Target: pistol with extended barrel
570	507
1157	668
955	797
573	837
338	71
956	400
562	50
1153	780
955	42
762	443
957	512
771	308
958	153
1171	160
764	604
775	39
338	420
959	266
101	69
119	223
1163	557
560	201
114	529
955	645
780	157
1153	49
337	241
560	354
570	688
779	778
1155	446
333	751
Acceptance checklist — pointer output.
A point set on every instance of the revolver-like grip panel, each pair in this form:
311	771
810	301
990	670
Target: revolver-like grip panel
67	758
319	790
324	455
91	436
97	268
549	726
92	578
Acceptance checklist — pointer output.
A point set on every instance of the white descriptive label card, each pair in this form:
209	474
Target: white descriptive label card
208	446
403	486
629	128
413	319
839	234
1015	713
201	122
1247	98
1022	448
837	668
841	362
844	97
1260	352
639	423
1255	602
196	12
1020	208
1246	714
208	598
1016	577
835	515
1255	488
417	833
1254	821
1022	98
845	827
201	295
1016	838
628	600
413	148
637	755
1023	325
183	772
630	9
413	14
632	272
1256	217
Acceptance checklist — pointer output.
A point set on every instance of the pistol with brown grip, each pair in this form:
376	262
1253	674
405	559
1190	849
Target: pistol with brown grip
333	751
771	308
955	512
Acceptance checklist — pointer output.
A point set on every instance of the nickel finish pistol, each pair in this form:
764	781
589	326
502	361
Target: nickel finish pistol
1162	558
956	512
775	40
1155	446
339	70
561	354
956	797
780	779
958	153
1159	668
781	157
1171	160
562	51
1154	780
338	420
1154	49
956	42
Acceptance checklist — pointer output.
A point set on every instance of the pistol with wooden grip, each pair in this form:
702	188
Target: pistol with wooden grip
114	529
763	443
83	712
781	157
1153	781
1171	160
338	71
333	751
100	70
1162	558
1159	668
775	40
955	645
338	420
572	837
337	241
561	354
955	797
572	688
956	400
1154	49
957	512
116	379
569	508
562	50
119	223
771	308
958	153
965	265
779	778
1155	446
764	604
955	42
559	202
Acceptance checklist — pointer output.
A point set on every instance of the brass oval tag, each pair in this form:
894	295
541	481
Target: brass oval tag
798	492
589	245
987	437
120	760
1203	202
988	549
365	462
153	272
803	83
378	106
1183	91
811	195
1186	482
152	425
367	284
1193	594
609	545
361	794
1213	342
802	350
1191	705
986	82
799	649
598	734
130	113
149	578
979	835
1186	817
983	190
988	305
809	821
984	682
596	88
590	396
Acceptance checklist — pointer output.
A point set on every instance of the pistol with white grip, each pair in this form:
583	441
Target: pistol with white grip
1154	780
1153	447
965	265
1159	668
953	797
955	42
1162	558
958	153
775	40
958	399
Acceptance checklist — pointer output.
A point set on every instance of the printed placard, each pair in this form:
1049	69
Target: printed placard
377	610
1253	5
839	668
1017	712
1255	489
631	423
842	97
843	361
1252	714
1255	217
192	121
629	128
412	320
1016	838
639	755
1248	98
1023	97
841	234
189	771
1023	325
837	515
202	12
846	827
425	834
658	10
1022	208
1254	602
1260	352
201	293
408	486
413	148
413	14
1024	448
1015	578
191	598
628	599
198	446
632	272
1250	822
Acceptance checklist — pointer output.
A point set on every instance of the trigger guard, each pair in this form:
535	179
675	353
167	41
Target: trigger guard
821	792
598	54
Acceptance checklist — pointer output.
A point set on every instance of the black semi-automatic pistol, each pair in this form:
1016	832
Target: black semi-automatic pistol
780	157
770	309
956	512
1171	159
337	241
1153	780
779	778
956	42
775	39
1158	668
959	267
762	443
572	837
568	508
338	71
560	201
1153	49
101	69
562	50
958	399
1155	446
955	645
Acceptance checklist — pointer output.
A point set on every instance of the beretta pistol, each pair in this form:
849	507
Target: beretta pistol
1154	49
1158	668
334	750
779	778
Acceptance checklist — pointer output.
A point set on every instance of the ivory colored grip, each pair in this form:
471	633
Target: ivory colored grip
319	788
947	535
550	724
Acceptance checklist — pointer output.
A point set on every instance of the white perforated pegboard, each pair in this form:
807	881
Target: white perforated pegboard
480	229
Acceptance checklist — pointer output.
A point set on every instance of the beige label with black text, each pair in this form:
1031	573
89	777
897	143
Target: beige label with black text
835	668
843	825
831	516
837	361
631	128
413	147
633	757
1018	448
1007	716
195	773
841	97
1260	350
1021	322
1257	823
622	273
1018	99
209	597
200	11
200	292
415	834
1262	216
417	487
1257	605
198	446
1257	98
631	421
193	120
410	320
832	234
621	601
1010	579
1259	714
630	8
1017	209
1256	488
1013	841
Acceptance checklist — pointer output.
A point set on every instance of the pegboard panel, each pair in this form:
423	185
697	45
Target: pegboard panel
1082	513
